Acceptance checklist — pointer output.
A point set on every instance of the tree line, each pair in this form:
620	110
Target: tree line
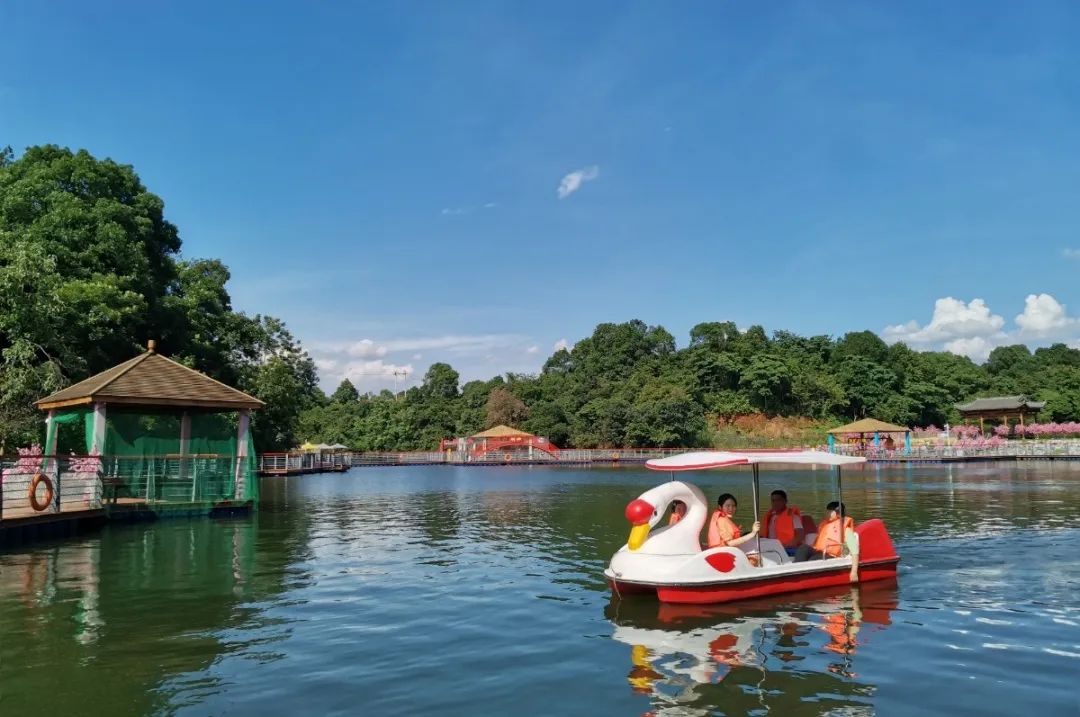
628	385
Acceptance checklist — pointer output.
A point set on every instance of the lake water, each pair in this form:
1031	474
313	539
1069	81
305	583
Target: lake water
452	591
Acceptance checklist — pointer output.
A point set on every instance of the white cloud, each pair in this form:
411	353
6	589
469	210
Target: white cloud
460	211
562	344
366	348
454	342
532	350
977	348
573	181
360	371
973	330
1045	317
1070	253
952	319
373	364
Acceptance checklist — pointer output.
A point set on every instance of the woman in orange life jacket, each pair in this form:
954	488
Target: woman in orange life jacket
678	512
830	536
784	523
722	529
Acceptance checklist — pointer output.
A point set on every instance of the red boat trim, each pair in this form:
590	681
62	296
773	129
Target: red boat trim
761	578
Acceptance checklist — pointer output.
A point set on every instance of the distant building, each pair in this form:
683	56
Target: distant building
503	440
999	408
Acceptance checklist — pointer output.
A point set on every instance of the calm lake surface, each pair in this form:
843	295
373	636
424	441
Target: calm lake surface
447	591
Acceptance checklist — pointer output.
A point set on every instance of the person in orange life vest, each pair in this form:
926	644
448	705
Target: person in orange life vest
830	538
784	523
678	512
722	529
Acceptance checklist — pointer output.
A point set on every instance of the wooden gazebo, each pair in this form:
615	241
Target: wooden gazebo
149	418
869	427
999	408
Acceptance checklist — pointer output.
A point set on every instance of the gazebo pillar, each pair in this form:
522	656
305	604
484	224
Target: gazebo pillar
185	433
97	441
50	433
243	430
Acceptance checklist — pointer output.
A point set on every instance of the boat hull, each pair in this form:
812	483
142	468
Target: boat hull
744	589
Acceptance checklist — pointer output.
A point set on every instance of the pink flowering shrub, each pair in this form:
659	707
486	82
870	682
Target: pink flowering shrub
30	460
85	464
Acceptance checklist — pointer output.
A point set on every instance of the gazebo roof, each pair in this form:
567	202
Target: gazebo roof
870	425
151	380
502	432
1001	403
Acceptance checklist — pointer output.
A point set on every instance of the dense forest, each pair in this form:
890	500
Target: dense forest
628	385
90	269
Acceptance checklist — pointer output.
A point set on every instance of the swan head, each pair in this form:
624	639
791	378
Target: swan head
645	511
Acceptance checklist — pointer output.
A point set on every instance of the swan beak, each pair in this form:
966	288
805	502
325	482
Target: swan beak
638	534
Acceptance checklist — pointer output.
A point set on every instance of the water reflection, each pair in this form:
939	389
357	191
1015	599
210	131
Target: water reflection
794	653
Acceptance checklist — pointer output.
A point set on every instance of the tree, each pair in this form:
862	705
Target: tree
864	344
1009	360
505	409
867	385
440	381
665	416
345	393
767	381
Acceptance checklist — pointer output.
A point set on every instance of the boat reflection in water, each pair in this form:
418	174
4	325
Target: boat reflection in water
796	655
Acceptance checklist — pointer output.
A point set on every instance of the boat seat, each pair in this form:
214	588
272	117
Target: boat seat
772	551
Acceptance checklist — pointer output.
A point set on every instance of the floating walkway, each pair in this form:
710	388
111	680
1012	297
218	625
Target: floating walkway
50	497
276	464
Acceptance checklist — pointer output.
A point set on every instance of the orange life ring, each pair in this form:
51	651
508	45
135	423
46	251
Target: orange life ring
506	457
614	456
38	478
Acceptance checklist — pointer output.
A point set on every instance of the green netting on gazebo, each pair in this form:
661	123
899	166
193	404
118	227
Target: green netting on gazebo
144	458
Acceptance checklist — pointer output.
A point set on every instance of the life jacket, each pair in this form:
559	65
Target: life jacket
722	529
783	524
829	540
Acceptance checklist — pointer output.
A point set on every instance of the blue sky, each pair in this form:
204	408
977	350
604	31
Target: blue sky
385	176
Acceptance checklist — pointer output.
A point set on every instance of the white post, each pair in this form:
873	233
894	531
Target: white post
50	432
97	448
242	430
185	448
185	433
97	443
51	466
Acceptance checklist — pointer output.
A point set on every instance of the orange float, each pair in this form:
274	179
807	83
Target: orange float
34	482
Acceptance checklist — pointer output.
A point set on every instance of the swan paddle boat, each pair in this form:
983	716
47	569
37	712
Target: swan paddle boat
668	561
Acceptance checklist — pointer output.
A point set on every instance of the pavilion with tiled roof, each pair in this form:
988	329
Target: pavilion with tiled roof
152	420
999	408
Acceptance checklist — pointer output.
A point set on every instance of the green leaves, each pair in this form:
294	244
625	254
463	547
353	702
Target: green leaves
90	270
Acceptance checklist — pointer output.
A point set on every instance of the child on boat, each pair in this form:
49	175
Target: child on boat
830	535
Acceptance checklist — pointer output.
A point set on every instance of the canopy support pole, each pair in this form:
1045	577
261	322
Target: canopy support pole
757	538
840	498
